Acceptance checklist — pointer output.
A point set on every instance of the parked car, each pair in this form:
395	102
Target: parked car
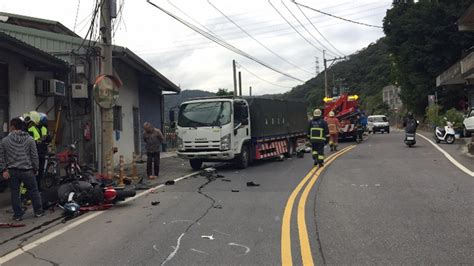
468	124
378	123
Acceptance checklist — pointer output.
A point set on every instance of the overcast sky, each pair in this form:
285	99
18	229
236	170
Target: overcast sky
194	62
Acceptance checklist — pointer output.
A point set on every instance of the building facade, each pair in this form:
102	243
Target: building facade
391	97
140	100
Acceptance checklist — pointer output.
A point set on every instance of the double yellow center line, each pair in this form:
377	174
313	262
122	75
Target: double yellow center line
312	176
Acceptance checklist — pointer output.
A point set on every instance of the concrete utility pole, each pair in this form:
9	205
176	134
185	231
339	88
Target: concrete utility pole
326	93
106	69
235	77
325	75
240	83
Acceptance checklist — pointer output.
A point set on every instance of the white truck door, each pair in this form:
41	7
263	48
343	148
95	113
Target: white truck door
241	125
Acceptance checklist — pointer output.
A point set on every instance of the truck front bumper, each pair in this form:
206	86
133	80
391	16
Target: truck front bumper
207	155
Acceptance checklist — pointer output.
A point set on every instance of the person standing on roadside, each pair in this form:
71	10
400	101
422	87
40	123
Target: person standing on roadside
19	163
334	127
153	139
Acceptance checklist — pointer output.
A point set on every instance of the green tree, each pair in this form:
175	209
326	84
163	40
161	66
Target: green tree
424	41
224	92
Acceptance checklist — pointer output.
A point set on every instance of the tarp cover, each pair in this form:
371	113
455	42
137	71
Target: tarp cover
274	118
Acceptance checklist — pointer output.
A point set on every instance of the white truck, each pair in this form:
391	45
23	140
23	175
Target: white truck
239	130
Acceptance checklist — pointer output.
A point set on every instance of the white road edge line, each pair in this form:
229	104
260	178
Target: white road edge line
76	223
449	157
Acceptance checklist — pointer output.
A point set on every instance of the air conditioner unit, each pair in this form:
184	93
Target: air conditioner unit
79	90
50	87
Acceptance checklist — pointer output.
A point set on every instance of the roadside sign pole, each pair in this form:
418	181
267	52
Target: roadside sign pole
235	77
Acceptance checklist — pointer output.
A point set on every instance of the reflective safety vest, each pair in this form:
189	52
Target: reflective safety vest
318	130
35	133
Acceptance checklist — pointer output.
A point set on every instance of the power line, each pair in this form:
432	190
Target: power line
205	45
251	36
221	42
314	26
77	14
302	25
262	79
283	17
91	27
334	16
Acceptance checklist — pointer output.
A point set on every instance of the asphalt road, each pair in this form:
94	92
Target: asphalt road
379	202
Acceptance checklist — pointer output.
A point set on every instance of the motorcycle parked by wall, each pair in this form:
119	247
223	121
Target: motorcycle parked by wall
445	134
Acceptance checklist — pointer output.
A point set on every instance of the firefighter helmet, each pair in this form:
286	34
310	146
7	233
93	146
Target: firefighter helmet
331	114
317	113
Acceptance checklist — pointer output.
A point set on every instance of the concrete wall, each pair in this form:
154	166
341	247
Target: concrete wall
150	109
22	87
128	99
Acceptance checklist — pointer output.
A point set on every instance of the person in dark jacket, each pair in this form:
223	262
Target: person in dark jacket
153	139
19	163
318	134
410	123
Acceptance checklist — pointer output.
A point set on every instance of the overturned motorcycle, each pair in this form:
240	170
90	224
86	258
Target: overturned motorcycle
77	197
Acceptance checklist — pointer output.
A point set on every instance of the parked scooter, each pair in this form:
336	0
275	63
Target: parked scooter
446	134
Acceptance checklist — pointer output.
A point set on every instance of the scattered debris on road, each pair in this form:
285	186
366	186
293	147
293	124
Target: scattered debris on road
235	190
199	251
154	203
11	225
170	182
252	184
219	176
217	207
211	237
226	180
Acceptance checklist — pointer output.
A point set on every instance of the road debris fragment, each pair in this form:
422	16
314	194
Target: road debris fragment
252	184
169	182
154	203
235	190
211	237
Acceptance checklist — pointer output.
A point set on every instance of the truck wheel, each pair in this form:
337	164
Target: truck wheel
244	158
291	149
196	164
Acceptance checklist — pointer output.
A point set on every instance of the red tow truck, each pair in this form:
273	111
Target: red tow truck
346	109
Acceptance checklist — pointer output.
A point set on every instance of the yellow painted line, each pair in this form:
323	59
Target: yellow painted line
286	257
305	245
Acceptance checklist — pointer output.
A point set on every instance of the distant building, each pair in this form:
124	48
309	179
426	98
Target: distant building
391	97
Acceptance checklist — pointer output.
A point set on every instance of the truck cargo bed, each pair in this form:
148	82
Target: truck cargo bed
272	118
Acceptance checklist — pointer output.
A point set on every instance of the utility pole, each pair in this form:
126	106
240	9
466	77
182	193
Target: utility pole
316	66
325	75
235	77
240	83
250	91
106	69
326	93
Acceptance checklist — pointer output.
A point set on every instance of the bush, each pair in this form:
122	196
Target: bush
432	115
455	117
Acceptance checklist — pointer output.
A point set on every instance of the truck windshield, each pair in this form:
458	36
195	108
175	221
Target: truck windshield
204	114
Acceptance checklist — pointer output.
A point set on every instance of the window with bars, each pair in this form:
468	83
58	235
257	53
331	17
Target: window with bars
118	118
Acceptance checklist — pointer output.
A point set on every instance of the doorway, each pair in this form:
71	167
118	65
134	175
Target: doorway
4	100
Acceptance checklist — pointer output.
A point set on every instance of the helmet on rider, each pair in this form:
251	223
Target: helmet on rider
317	113
331	114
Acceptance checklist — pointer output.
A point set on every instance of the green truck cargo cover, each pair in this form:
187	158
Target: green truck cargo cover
271	118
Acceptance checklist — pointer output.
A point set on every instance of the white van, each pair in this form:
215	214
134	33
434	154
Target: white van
378	123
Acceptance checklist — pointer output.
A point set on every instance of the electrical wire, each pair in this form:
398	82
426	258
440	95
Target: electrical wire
208	44
299	33
334	16
220	42
256	40
314	26
302	25
91	27
77	14
262	79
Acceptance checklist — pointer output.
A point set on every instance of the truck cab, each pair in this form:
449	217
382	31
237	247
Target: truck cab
213	130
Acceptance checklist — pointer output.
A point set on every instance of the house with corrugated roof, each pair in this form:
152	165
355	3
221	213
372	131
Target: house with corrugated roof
141	96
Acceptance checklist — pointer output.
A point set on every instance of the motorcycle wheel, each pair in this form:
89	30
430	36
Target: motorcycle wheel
123	194
450	139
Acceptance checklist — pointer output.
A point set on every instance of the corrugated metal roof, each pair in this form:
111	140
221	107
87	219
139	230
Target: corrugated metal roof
37	23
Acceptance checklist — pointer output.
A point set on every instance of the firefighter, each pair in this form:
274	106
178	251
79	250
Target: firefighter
318	134
36	124
334	128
